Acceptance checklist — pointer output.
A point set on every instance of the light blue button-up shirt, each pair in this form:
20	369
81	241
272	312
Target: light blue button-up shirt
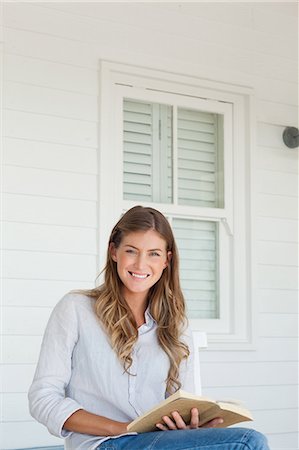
77	369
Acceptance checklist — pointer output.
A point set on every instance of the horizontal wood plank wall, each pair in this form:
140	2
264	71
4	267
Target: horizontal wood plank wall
50	204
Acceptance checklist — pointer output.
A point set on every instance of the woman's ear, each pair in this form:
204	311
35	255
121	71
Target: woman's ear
169	256
112	250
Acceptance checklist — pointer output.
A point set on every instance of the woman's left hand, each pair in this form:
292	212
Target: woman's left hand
176	422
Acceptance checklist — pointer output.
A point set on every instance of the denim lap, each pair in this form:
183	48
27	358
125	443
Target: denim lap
197	439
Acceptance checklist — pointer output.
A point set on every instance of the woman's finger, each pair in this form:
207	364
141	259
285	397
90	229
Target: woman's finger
180	424
170	424
213	423
161	426
194	421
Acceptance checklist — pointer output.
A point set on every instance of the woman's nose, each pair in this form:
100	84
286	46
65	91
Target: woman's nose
140	261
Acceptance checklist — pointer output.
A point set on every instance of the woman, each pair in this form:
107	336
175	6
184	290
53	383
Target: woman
111	353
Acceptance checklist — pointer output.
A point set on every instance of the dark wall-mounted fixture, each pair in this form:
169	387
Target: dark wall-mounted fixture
291	137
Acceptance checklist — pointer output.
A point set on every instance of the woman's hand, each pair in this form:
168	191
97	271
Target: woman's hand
177	423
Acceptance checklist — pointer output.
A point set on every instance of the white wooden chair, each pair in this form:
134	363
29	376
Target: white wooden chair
199	341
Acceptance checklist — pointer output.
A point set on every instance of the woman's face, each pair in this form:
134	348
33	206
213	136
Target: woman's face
141	258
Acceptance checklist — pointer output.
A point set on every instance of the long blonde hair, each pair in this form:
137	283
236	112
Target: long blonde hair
165	298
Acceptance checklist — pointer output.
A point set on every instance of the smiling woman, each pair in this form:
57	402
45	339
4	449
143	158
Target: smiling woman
142	272
113	352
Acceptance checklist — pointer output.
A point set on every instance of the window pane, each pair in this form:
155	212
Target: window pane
147	151
200	158
198	249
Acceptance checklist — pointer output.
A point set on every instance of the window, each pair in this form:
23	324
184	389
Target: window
174	144
174	155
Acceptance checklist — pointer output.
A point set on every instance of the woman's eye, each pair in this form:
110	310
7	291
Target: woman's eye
155	254
130	251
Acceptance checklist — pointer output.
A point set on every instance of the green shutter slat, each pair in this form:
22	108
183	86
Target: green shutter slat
206	257
198	126
193	195
138	197
198	265
193	175
137	107
142	189
205	309
131	168
137	118
196	166
204	314
138	138
199	275
195	155
207	147
196	185
137	178
196	116
196	147
196	225
198	244
139	128
195	136
136	148
197	202
137	158
198	285
200	295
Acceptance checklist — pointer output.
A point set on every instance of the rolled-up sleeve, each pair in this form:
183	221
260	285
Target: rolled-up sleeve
47	401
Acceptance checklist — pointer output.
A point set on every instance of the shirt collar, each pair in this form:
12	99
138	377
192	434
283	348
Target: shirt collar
149	324
148	317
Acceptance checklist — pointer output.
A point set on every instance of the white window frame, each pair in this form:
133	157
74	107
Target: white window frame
233	330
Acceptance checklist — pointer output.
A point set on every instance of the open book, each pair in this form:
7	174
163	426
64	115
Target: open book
183	402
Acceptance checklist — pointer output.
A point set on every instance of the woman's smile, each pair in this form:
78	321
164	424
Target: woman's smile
139	276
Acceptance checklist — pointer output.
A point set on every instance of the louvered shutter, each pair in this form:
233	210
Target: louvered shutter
198	248
147	151
137	151
200	163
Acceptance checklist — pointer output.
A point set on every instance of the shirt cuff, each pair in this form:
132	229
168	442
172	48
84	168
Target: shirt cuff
59	414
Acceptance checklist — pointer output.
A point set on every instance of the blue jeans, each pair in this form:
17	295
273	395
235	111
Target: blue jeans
194	439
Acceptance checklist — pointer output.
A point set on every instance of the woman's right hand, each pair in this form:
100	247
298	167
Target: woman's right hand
176	422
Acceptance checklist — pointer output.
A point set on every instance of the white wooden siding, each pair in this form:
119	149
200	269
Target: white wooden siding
52	52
